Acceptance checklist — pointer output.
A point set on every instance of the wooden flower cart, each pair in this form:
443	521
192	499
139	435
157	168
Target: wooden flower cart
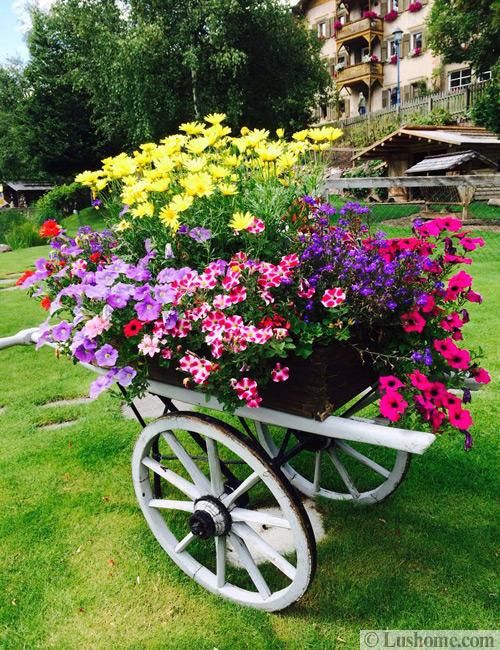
212	494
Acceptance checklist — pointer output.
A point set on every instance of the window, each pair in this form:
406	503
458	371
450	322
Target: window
484	76
322	29
416	41
365	52
459	78
393	5
392	50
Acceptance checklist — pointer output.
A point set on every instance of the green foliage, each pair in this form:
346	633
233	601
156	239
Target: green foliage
466	31
101	79
61	201
368	169
9	217
486	111
437	117
23	235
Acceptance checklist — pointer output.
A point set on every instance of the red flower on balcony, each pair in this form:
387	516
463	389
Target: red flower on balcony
413	7
370	14
337	25
391	16
394	59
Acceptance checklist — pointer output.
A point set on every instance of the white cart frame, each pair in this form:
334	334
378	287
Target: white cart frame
223	495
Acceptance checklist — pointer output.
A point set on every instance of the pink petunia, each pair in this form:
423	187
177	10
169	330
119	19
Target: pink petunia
389	382
472	296
257	226
392	406
481	375
333	297
419	380
279	373
460	359
412	321
305	289
444	346
460	419
458	284
449	223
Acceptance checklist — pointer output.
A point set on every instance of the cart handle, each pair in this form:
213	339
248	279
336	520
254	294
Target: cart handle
24	337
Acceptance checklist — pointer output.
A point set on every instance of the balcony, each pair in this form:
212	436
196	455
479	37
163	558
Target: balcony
364	29
359	74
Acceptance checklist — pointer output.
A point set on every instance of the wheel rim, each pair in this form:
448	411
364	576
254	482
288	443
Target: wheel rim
201	519
343	470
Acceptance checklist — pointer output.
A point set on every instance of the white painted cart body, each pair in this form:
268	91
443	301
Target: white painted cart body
243	485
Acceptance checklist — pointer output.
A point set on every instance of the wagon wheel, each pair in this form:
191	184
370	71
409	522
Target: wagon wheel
216	506
337	469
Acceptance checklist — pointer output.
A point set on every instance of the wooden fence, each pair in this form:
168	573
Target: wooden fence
456	102
427	189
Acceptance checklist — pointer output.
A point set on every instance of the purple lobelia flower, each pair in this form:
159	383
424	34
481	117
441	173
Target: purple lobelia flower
169	319
148	309
106	356
468	441
200	234
62	331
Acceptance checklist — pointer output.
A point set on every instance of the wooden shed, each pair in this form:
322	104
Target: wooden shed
21	194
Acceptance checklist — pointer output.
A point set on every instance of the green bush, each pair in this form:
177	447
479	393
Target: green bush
23	235
10	217
62	201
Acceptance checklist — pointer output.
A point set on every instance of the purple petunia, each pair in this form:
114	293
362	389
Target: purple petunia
200	234
124	376
62	331
106	356
148	309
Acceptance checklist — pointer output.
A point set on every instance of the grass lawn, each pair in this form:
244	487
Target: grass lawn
80	569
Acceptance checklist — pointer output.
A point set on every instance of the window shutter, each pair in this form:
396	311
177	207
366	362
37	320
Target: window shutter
383	51
406	93
385	98
347	107
424	39
383	8
405	45
403	5
328	28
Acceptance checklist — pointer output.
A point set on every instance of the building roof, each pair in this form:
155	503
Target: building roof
28	186
450	161
424	138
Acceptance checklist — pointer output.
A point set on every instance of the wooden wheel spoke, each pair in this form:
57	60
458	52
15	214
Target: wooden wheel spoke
171	504
344	475
368	462
197	476
216	478
183	544
256	517
220	560
246	485
250	566
249	535
174	479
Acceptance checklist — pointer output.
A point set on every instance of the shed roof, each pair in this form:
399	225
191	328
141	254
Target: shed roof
450	161
423	138
28	186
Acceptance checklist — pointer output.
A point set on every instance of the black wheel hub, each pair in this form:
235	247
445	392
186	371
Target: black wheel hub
210	518
312	442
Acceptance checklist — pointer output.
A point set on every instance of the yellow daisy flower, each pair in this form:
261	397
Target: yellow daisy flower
241	220
198	145
228	189
122	225
269	153
215	118
198	184
192	128
143	210
195	164
169	218
181	202
218	171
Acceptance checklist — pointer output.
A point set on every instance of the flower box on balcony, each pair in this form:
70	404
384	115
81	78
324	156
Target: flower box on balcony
391	16
417	51
413	7
370	14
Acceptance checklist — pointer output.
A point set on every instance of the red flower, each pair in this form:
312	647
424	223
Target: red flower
95	257
392	406
45	303
459	359
133	327
412	321
445	346
280	373
50	228
24	277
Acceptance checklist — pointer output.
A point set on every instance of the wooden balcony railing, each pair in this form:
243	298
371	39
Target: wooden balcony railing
367	28
367	72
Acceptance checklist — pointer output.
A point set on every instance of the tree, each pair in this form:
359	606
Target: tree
466	31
